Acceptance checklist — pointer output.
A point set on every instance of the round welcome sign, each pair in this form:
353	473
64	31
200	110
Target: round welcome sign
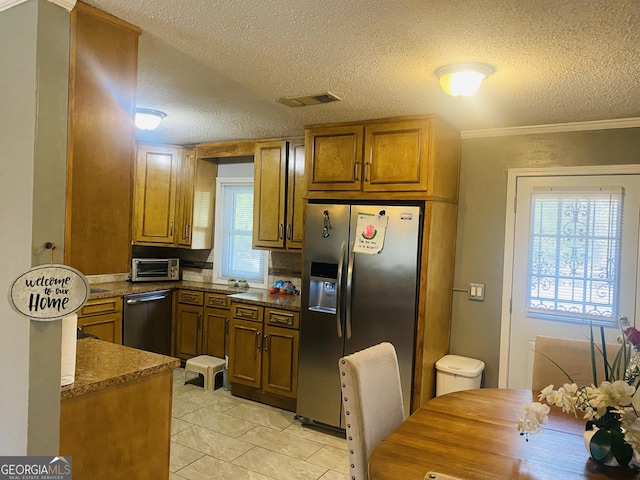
49	292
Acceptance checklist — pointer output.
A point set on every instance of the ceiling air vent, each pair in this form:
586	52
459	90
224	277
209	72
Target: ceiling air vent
309	100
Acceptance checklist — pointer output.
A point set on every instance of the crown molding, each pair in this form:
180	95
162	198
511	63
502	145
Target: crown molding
67	4
553	128
7	4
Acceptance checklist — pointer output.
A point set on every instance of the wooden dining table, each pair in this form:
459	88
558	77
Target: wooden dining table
472	435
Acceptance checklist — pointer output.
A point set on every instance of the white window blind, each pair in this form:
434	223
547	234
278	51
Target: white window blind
236	257
574	253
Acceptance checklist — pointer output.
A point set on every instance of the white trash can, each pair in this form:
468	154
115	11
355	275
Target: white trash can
454	373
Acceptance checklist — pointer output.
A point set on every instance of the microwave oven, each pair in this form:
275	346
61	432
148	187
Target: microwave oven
155	269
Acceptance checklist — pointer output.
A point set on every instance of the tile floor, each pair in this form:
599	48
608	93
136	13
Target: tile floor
217	436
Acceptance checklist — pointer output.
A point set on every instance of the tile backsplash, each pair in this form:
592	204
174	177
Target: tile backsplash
197	265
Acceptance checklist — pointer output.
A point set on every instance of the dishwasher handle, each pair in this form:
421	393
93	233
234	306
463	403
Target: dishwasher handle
146	299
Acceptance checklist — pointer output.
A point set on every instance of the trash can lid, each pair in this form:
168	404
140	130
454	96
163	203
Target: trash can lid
463	366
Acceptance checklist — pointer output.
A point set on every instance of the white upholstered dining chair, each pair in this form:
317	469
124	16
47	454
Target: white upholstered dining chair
574	356
372	402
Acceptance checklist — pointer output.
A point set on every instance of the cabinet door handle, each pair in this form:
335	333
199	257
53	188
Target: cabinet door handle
266	342
356	167
199	321
171	229
367	171
187	231
226	326
289	231
281	320
280	231
258	337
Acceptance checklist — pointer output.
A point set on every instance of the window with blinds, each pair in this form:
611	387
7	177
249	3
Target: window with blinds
234	252
574	254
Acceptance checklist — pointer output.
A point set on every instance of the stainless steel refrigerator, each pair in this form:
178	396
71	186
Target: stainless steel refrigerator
352	300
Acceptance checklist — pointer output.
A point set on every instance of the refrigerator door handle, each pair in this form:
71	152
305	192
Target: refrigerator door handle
343	249
349	281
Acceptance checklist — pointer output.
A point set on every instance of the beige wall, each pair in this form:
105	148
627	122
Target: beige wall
475	329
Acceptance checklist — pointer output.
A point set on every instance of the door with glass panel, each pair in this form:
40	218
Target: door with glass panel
575	262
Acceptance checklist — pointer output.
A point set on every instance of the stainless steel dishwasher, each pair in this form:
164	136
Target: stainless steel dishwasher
147	321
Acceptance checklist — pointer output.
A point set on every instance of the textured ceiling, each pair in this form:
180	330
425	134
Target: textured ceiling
217	67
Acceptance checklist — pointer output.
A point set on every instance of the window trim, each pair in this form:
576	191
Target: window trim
221	183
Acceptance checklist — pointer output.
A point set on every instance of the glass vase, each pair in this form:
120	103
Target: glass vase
632	373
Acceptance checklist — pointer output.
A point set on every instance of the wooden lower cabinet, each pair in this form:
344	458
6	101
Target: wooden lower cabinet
188	329
202	324
215	324
121	431
280	361
103	318
245	356
263	354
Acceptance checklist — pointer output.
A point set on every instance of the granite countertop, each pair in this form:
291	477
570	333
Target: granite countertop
102	364
256	296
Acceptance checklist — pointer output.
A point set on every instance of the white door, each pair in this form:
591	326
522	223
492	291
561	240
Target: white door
575	262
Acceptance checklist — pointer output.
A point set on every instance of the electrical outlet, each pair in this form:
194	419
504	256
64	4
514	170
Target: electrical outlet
476	291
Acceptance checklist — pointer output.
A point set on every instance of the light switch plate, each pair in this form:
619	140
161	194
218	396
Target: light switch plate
476	291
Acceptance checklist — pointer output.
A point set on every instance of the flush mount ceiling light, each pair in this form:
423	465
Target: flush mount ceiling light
148	119
463	79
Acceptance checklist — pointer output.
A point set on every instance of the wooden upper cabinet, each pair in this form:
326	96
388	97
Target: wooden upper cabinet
174	197
296	189
396	156
155	187
269	187
101	142
204	200
334	157
184	217
279	188
405	157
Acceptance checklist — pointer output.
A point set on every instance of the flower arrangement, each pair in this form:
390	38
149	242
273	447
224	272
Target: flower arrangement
608	408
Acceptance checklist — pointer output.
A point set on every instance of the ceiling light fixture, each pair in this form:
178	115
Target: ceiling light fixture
148	119
463	79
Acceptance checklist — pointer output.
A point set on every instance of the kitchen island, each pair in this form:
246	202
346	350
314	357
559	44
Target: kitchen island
115	419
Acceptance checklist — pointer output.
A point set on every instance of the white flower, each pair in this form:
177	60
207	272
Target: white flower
567	398
618	393
631	425
533	415
548	394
